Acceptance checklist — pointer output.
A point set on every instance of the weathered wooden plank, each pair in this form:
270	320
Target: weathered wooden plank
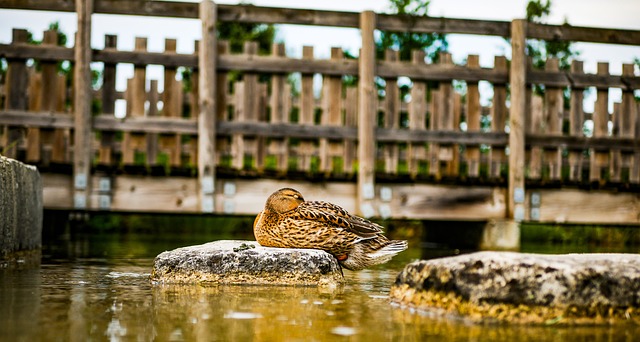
416	152
34	141
517	112
422	201
151	144
590	207
172	107
584	34
498	117
351	120
447	118
207	82
279	111
306	111
391	110
628	121
615	155
136	88
473	117
554	108
269	130
408	23
270	64
331	114
82	153
576	123
439	72
535	127
600	126
107	139
366	116
16	93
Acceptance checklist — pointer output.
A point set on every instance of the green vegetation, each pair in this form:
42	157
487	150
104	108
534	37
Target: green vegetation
580	238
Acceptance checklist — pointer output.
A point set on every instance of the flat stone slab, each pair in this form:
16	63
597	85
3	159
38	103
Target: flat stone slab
248	263
525	288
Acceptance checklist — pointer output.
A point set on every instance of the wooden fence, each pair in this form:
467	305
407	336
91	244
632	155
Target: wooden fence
240	116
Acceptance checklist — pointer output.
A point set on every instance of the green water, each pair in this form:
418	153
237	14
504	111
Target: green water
93	286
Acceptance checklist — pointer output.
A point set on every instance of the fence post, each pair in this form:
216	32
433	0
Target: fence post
82	107
207	63
367	116
517	80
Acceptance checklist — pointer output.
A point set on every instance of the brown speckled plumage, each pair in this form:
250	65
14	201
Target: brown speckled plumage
290	222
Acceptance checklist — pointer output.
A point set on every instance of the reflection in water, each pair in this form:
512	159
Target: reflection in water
96	287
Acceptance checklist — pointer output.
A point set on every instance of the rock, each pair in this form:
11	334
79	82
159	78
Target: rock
525	288
246	262
20	214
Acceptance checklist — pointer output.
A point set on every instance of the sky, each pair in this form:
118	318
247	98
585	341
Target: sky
622	14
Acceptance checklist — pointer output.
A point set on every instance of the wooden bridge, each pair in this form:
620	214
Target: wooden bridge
222	144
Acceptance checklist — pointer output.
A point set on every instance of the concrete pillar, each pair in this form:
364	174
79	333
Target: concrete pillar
501	235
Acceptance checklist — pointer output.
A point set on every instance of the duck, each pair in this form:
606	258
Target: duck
288	221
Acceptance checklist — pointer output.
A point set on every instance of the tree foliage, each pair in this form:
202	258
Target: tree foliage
541	50
406	42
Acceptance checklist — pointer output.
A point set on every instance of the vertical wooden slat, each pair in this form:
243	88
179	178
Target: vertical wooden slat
237	141
47	102
250	103
34	135
279	111
17	83
207	63
107	139
152	138
172	107
392	114
306	148
615	155
517	112
498	117
82	106
535	127
351	120
447	118
434	125
261	114
576	123
222	88
628	120
417	117
454	165
553	115
600	125
367	116
331	114
135	142
473	117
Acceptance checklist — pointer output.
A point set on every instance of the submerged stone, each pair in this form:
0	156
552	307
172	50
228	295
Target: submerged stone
525	288
246	262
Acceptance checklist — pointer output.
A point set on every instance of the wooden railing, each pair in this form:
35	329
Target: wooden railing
258	125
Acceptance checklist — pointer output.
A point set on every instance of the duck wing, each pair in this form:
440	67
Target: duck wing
338	217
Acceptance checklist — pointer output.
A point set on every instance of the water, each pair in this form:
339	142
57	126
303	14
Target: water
95	286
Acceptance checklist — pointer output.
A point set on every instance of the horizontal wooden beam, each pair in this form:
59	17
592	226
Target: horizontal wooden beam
131	193
286	130
439	72
389	135
583	34
408	23
385	22
271	64
583	143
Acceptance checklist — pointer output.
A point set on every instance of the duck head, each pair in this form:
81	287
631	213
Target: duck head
284	200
